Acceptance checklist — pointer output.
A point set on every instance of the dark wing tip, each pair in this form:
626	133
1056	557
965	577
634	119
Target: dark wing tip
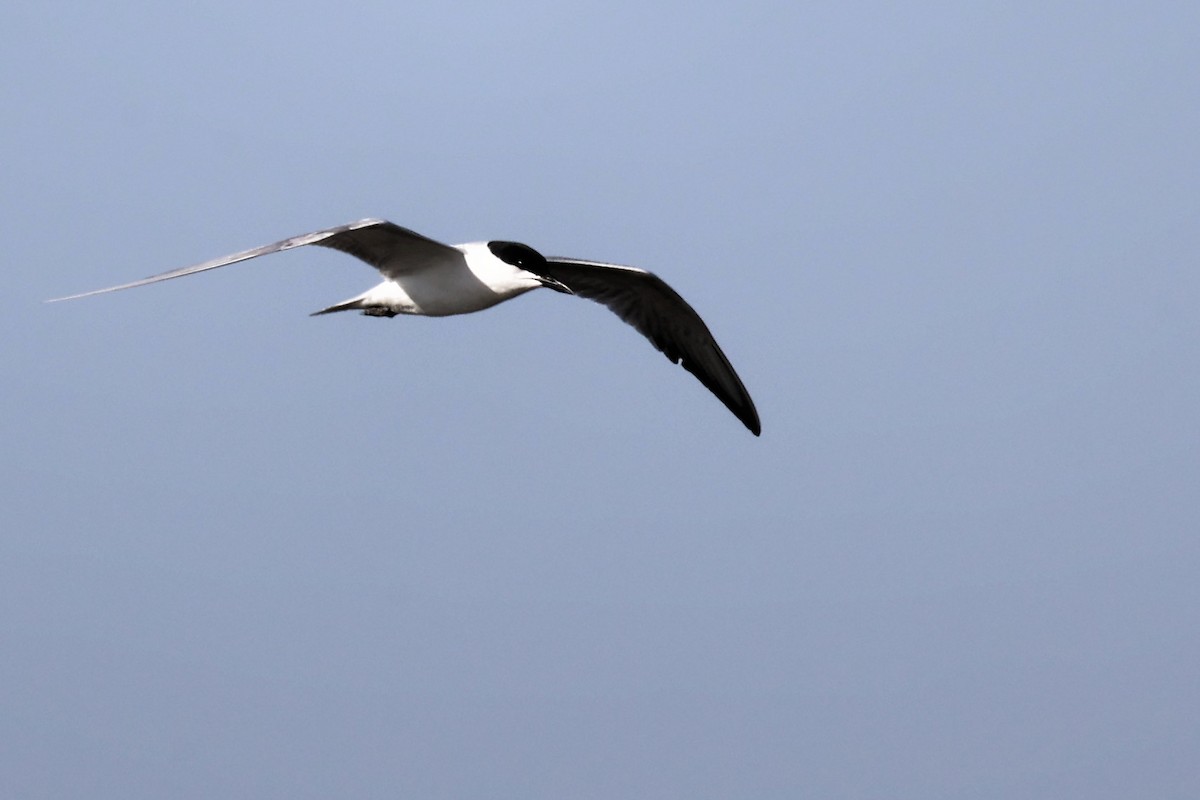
737	400
750	420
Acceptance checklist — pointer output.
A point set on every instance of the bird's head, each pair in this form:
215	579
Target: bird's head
524	257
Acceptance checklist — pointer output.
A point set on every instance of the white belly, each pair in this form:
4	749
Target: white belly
457	293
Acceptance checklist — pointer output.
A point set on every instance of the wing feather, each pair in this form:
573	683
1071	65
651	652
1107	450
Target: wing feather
657	311
386	246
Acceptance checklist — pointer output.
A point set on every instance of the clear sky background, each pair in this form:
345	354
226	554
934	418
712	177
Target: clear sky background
950	247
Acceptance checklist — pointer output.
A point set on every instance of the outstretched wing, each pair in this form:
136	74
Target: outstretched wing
647	303
385	246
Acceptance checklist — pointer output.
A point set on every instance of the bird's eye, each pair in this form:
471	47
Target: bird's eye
515	253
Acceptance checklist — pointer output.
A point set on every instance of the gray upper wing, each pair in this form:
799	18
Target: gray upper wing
389	248
647	303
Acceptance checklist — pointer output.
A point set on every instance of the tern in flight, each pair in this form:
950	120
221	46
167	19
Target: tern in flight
422	276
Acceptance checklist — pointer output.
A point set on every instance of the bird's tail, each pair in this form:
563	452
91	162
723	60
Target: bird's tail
353	304
364	303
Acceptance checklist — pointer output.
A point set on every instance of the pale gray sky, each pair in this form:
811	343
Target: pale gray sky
950	248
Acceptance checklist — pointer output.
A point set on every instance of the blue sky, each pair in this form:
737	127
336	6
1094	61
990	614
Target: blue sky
949	247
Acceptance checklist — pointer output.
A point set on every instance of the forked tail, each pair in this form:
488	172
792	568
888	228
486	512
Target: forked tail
358	304
349	305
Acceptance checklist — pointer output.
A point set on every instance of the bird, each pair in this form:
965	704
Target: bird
426	277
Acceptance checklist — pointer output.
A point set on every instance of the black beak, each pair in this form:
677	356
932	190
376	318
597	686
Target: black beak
551	283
